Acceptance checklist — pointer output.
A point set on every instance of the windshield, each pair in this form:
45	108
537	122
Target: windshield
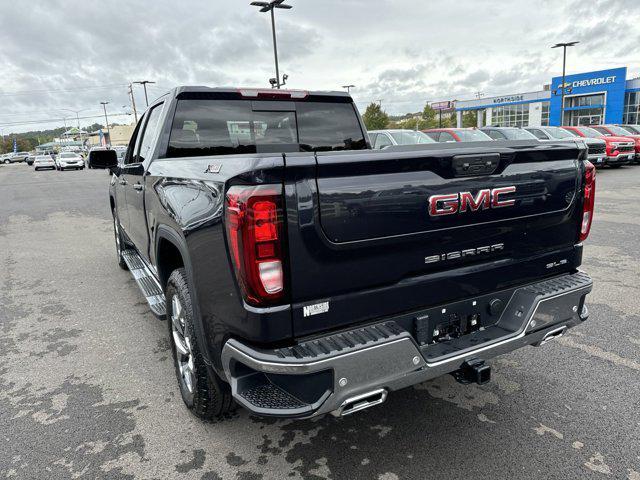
223	127
518	134
409	137
472	136
590	132
557	132
632	129
619	130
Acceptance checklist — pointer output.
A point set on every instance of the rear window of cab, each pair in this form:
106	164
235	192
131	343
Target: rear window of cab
223	127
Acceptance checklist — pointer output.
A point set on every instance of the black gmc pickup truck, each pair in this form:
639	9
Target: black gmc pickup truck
303	273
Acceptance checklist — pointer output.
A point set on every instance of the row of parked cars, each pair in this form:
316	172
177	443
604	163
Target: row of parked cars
66	160
613	145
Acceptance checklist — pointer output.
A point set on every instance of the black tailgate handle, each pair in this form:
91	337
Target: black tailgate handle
475	164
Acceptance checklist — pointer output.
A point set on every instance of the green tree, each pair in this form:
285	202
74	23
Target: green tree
430	117
375	118
469	119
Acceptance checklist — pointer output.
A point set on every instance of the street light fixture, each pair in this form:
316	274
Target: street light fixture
348	87
106	119
270	7
564	64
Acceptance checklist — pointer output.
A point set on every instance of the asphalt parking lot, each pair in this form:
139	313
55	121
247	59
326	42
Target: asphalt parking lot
87	387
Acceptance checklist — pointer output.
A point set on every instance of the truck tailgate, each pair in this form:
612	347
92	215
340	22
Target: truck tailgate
382	232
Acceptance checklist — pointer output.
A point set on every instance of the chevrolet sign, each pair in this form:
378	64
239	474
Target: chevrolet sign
590	82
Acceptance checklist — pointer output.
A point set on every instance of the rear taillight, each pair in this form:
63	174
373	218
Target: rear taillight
588	199
254	229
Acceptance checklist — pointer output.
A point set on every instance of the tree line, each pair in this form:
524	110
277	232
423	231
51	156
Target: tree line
28	141
375	118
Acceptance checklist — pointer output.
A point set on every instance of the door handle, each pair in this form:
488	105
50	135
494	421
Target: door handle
138	186
123	182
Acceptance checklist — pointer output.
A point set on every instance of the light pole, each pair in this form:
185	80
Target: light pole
106	119
78	120
270	7
564	64
348	87
144	84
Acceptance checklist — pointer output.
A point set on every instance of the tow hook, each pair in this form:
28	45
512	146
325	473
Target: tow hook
473	371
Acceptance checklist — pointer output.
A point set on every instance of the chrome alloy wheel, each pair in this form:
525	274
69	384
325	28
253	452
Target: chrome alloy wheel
182	343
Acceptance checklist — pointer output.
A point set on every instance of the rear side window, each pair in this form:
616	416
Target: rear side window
224	127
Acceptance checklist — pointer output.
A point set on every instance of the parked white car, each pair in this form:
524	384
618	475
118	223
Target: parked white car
381	139
44	161
66	160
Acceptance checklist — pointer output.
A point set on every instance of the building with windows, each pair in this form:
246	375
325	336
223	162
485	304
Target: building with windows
604	96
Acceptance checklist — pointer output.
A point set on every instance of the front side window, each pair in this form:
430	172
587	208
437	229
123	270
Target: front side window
149	135
382	141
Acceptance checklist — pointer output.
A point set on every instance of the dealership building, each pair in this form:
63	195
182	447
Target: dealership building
601	97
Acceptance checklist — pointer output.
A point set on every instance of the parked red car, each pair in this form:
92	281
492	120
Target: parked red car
457	135
616	130
620	150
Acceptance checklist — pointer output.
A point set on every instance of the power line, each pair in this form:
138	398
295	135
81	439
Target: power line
51	120
62	90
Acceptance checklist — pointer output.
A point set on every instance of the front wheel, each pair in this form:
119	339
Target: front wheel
202	391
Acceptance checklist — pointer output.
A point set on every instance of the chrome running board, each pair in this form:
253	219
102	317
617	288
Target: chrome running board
146	282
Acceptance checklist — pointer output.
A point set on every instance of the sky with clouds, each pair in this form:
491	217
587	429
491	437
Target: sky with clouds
63	54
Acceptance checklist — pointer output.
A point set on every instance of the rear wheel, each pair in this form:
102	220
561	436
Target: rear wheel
202	391
119	242
615	166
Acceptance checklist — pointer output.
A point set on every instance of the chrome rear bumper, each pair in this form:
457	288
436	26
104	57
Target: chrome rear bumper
352	370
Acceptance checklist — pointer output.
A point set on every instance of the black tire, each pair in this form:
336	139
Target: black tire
615	166
119	239
207	397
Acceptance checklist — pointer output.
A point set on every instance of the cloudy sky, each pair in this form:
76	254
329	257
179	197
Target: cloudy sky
63	54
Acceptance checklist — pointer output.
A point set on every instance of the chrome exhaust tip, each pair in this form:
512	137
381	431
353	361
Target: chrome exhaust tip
361	402
553	335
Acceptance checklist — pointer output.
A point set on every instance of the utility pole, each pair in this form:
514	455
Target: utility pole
380	102
348	87
479	95
270	7
106	119
564	64
133	102
144	84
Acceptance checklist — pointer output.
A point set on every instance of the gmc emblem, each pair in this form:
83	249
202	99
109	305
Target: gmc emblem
452	203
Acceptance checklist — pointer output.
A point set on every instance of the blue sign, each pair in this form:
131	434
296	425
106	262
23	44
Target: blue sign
15	145
610	83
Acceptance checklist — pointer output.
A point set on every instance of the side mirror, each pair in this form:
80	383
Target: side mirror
105	159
